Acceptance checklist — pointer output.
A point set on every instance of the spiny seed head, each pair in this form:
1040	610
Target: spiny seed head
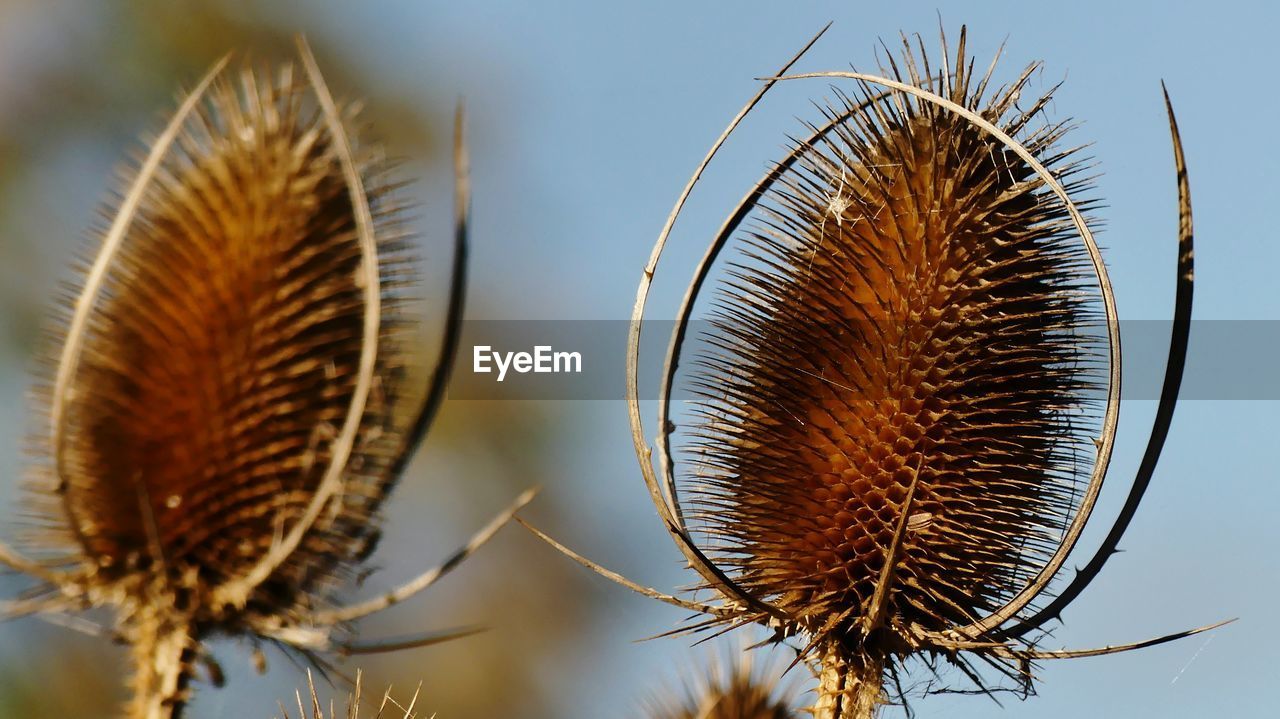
225	410
730	688
898	373
311	708
221	353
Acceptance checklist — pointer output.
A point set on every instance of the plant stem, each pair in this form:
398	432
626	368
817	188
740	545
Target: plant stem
848	687
161	657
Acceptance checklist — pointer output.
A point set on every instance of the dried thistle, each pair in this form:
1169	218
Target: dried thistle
897	446
227	408
732	687
386	707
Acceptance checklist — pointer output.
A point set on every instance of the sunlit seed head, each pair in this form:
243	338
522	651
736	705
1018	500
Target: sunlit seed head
220	355
900	372
730	687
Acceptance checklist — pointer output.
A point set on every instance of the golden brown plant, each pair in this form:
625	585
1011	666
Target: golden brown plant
387	708
226	408
898	437
730	688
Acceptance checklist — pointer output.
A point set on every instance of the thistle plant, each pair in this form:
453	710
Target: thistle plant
227	405
310	707
731	687
897	438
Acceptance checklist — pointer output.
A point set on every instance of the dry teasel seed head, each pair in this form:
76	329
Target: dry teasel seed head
311	708
227	408
732	687
897	442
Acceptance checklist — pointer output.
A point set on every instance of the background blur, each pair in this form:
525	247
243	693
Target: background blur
585	122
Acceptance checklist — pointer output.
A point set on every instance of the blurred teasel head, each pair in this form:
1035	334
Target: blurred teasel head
730	687
904	408
309	705
226	406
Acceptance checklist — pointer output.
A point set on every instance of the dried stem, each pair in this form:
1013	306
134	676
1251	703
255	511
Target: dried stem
161	653
848	688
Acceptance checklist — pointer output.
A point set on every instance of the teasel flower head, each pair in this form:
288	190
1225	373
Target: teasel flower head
226	406
310	707
731	687
897	436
